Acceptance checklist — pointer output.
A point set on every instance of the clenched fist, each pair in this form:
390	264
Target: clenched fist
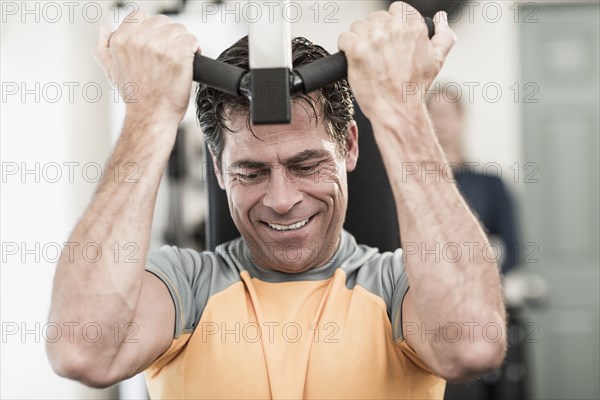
388	51
153	57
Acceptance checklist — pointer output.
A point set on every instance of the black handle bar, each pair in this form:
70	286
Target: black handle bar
235	80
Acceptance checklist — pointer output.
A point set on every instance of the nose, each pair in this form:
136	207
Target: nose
282	192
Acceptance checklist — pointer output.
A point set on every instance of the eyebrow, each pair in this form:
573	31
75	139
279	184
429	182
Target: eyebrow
295	159
305	155
248	164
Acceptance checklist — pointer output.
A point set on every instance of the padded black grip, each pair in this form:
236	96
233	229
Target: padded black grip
430	27
333	68
217	74
323	71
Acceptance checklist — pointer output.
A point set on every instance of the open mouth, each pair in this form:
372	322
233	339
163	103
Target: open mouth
291	227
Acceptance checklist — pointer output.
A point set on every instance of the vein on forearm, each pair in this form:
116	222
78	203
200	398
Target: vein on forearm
432	214
119	213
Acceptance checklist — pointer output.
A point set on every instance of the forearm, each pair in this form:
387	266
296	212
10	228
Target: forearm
104	288
453	277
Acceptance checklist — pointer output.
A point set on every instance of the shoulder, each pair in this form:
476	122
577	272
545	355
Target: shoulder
367	263
199	269
380	273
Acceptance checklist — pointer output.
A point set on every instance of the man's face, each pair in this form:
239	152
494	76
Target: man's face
287	190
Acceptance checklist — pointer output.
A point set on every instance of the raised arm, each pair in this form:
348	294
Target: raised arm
453	314
121	318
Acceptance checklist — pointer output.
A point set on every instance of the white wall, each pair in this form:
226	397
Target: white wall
35	211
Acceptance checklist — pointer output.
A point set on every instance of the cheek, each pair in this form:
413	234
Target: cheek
331	181
242	198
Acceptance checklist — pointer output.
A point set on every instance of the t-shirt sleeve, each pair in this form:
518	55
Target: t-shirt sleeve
180	270
399	289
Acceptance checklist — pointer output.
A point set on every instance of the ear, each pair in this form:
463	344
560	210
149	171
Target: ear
217	168
352	146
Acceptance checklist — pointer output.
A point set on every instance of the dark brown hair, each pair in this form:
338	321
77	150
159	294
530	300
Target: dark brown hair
216	108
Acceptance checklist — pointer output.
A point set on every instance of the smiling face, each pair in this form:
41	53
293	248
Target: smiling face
287	189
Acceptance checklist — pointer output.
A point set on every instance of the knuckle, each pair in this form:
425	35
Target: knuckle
136	16
155	21
347	42
173	54
190	39
155	46
377	15
453	37
162	18
117	39
357	26
397	7
139	41
178	26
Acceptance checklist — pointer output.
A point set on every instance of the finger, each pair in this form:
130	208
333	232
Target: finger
132	21
444	37
170	31
156	21
360	27
101	52
405	10
346	41
378	16
190	41
189	44
136	16
183	42
104	34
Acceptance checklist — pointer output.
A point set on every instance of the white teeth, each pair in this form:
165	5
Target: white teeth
289	227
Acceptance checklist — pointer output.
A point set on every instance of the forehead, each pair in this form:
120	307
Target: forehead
274	143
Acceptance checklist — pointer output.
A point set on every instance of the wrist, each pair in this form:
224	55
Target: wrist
147	136
391	111
146	119
404	132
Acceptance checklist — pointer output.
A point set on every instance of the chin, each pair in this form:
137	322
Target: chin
290	258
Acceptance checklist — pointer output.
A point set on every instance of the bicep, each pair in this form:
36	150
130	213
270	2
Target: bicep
415	334
151	332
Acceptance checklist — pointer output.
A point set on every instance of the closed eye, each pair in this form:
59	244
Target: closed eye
252	177
306	169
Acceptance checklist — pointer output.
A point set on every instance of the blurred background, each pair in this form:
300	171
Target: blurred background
527	74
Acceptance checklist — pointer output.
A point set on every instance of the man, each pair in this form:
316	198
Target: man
295	309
